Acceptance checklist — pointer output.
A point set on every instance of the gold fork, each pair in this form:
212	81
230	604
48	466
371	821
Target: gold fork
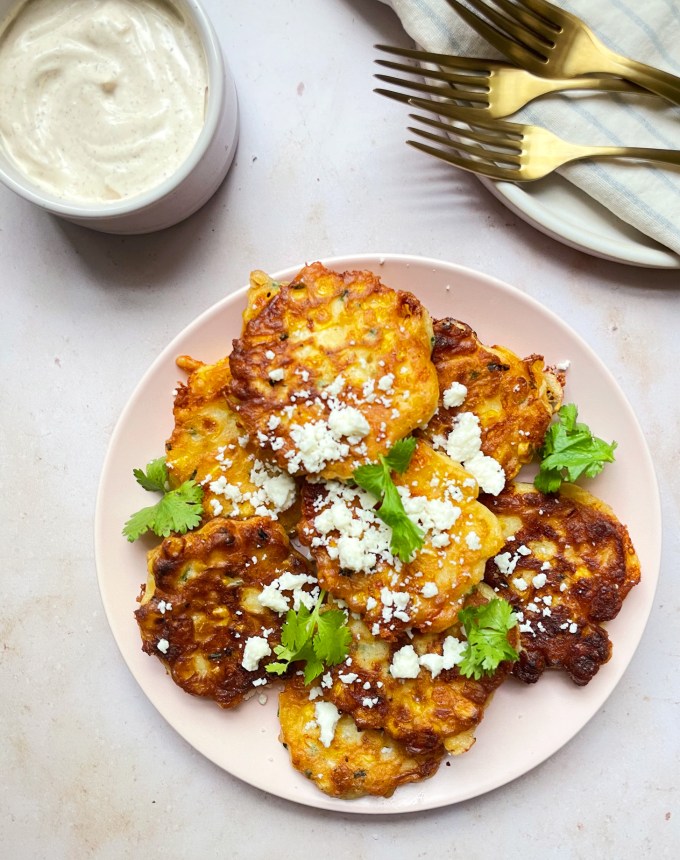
496	89
547	40
511	151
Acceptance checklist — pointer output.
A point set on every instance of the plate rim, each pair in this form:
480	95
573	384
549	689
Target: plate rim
535	213
377	806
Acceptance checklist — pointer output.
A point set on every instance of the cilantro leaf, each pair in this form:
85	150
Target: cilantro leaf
297	630
570	451
399	455
317	639
180	510
155	477
407	537
140	523
376	479
486	628
333	638
371	478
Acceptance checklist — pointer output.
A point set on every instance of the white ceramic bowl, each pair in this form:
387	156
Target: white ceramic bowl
194	181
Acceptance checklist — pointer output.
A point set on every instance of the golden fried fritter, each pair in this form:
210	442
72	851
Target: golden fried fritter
438	706
352	763
208	445
566	566
260	292
200	607
513	398
351	545
331	370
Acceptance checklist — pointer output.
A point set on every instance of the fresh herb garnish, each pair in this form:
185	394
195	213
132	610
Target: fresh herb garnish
178	511
376	478
486	628
569	451
317	638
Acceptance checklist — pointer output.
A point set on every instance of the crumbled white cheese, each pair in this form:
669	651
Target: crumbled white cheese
394	604
405	663
274	491
488	472
506	562
276	375
255	649
473	541
335	387
464	444
272	597
453	650
429	589
327	717
454	395
348	421
163	646
452	654
465	438
434	663
278	487
385	382
315	446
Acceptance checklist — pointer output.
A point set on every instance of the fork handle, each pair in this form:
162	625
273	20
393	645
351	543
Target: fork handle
608	83
664	156
655	80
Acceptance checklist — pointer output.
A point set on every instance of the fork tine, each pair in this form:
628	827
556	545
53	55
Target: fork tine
436	74
490	170
510	129
533	22
514	51
445	92
481	155
507	24
404	98
548	12
509	148
473	64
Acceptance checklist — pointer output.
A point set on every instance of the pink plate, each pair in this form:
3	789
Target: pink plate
524	725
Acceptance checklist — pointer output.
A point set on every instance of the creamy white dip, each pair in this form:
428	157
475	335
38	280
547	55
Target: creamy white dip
100	99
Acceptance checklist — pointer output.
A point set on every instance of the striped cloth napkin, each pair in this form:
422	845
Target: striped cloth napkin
646	197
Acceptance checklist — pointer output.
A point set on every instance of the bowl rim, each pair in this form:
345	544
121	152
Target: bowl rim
93	211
